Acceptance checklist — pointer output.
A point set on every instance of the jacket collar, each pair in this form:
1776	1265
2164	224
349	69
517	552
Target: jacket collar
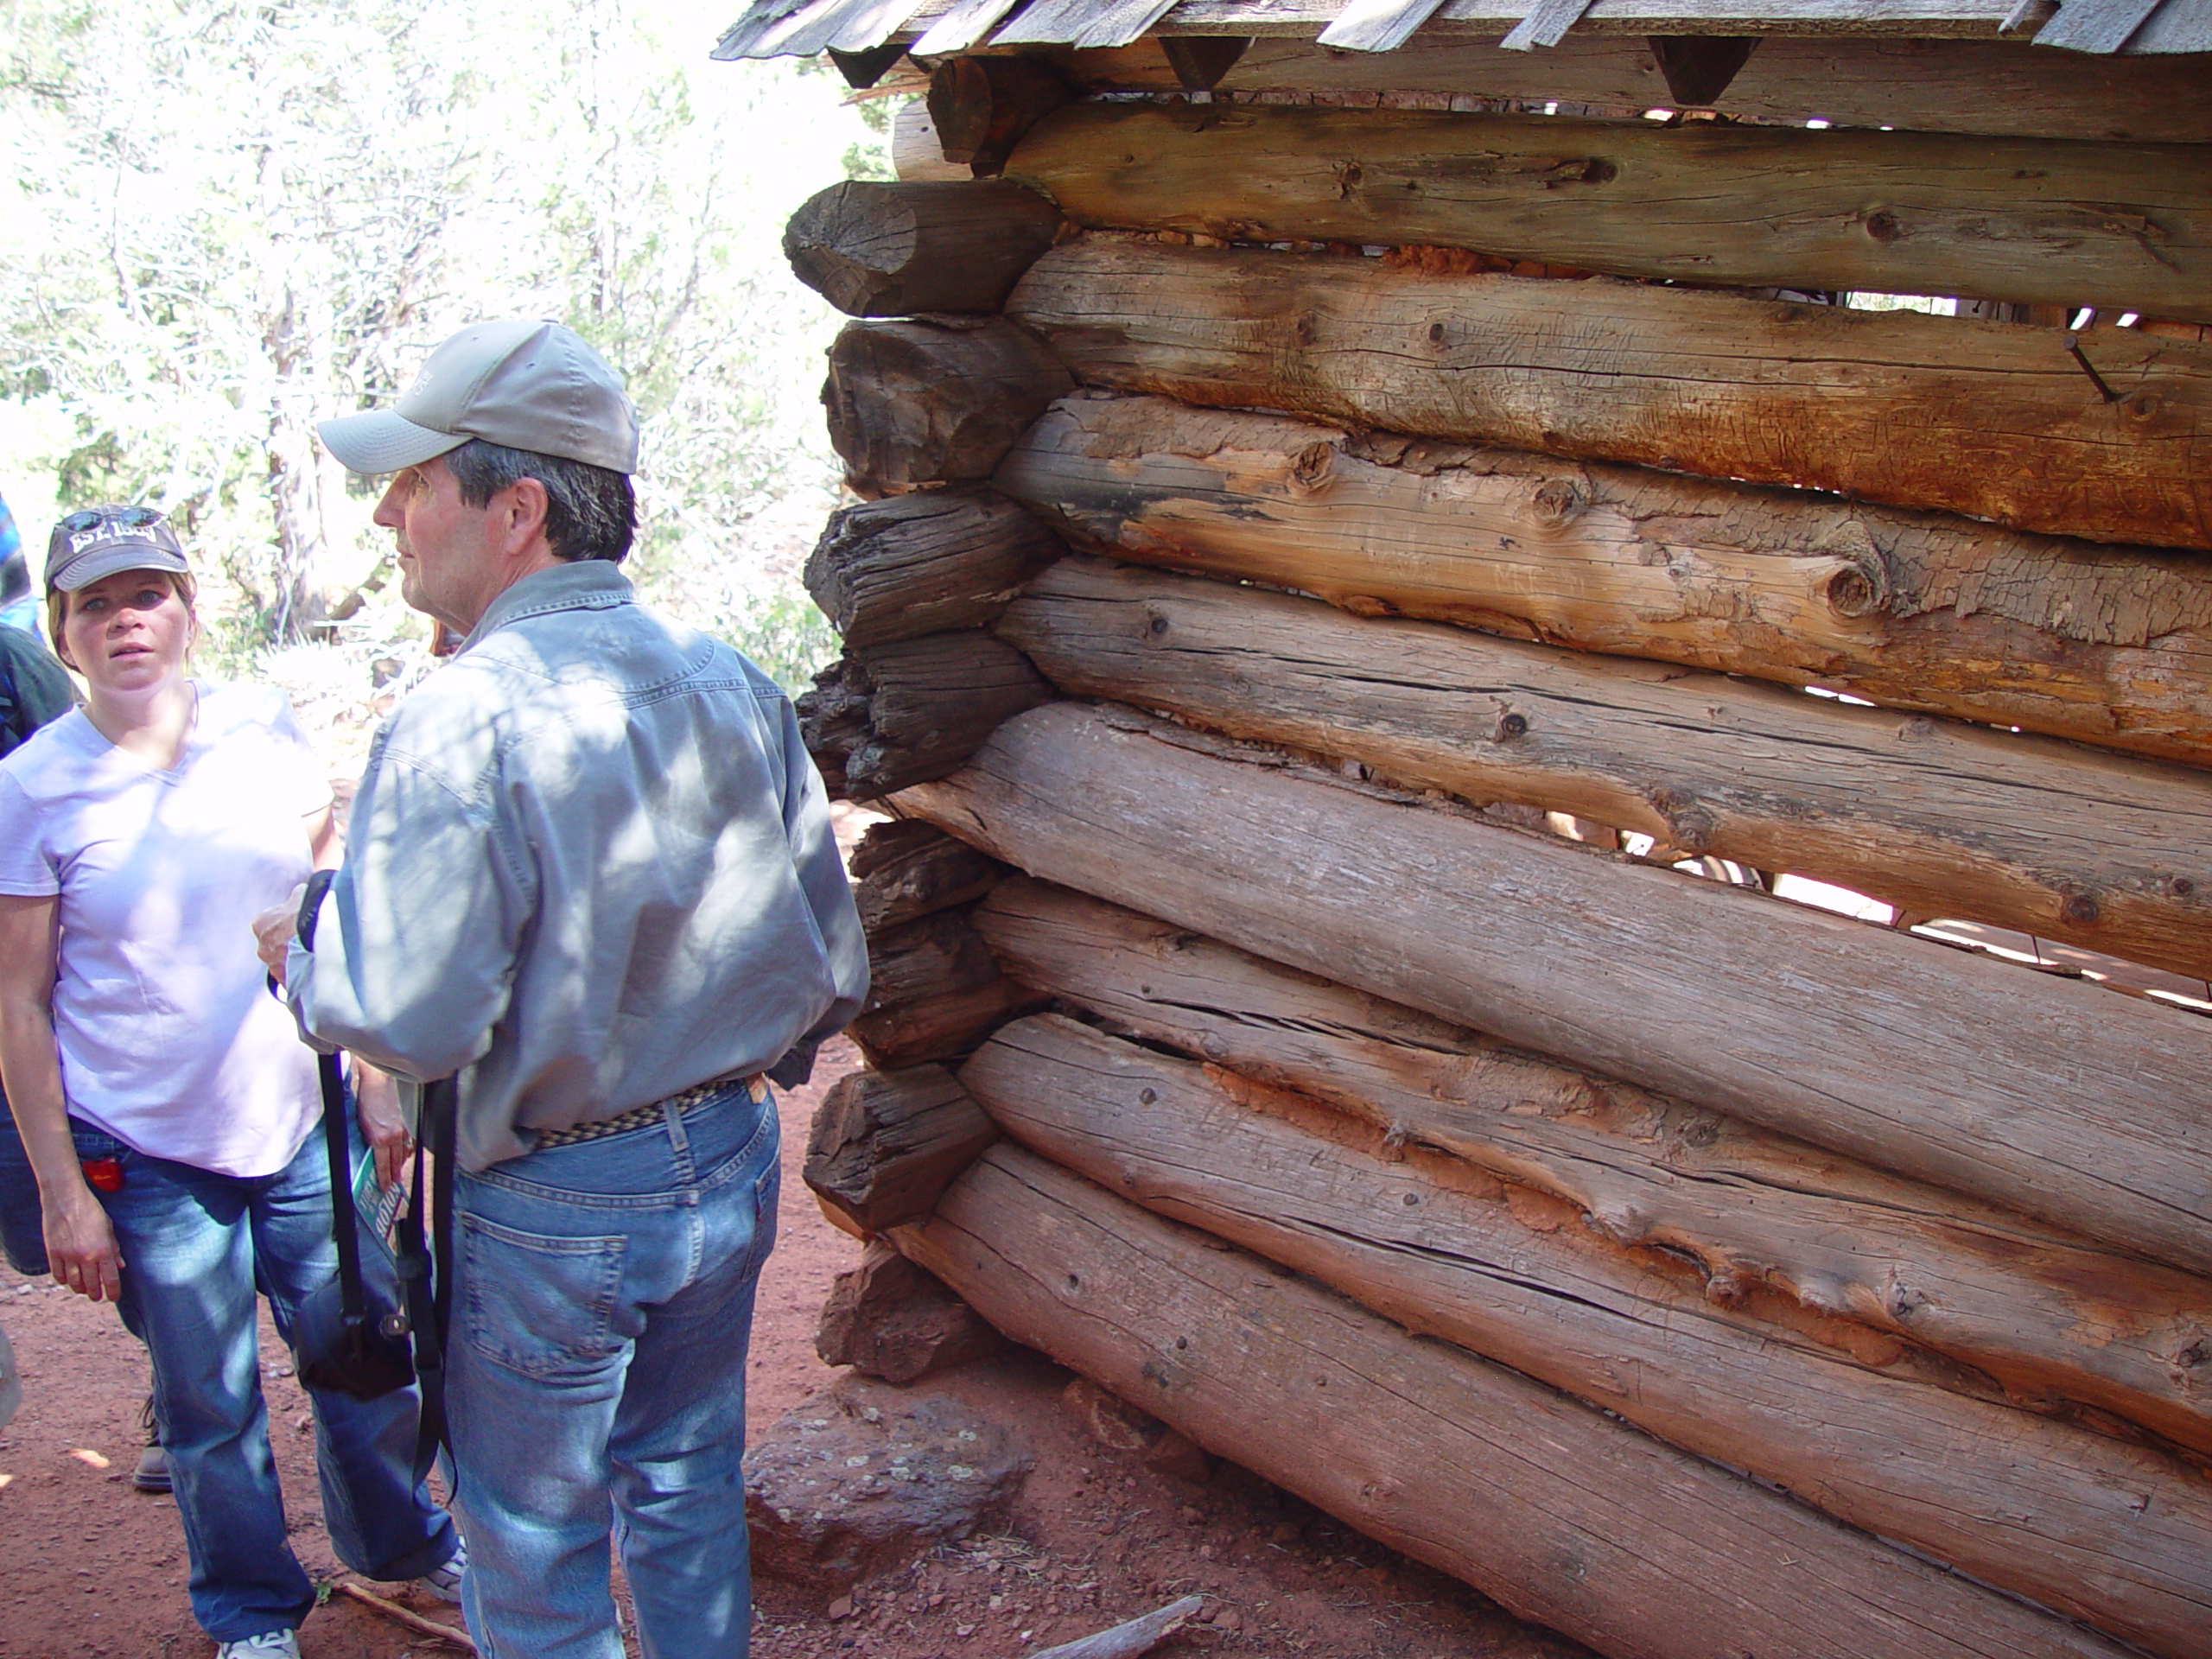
583	585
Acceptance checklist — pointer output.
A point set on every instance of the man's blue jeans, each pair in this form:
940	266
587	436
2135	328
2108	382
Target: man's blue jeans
195	1247
603	1300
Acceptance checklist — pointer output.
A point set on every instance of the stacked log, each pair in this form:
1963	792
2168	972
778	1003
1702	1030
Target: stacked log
1692	1270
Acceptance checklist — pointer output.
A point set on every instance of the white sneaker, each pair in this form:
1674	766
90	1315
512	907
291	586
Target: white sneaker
270	1644
444	1582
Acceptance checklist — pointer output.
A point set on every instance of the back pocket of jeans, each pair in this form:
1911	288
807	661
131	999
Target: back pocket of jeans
538	1305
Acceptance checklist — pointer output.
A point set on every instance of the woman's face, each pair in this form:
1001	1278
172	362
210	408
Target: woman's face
127	632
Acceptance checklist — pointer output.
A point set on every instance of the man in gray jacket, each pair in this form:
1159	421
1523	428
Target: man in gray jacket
591	875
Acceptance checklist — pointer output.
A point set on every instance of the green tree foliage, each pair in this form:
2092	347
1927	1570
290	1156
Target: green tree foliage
221	222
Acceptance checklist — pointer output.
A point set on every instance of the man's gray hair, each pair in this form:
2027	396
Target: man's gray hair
590	512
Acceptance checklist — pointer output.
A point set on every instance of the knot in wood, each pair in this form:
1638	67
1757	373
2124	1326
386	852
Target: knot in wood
1511	726
1557	501
2080	909
1861	587
2142	406
1316	464
2181	887
1883	227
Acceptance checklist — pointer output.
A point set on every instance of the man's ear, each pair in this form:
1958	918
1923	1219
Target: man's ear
525	512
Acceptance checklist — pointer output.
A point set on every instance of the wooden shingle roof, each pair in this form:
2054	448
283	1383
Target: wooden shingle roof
802	28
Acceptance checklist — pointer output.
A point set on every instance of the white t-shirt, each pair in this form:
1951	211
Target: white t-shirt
168	1037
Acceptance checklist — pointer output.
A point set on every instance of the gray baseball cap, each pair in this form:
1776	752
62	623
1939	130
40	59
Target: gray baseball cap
527	385
100	541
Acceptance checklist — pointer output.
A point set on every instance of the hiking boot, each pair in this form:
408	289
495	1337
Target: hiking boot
444	1582
152	1474
270	1644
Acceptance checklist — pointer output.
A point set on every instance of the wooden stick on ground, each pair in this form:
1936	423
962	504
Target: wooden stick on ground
1130	1638
397	1614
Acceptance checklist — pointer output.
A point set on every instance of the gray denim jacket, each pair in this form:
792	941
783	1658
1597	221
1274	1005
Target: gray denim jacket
590	865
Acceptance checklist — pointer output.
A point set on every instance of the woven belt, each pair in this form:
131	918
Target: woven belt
637	1117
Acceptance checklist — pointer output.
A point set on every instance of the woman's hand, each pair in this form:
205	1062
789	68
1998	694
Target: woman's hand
274	931
376	1103
81	1247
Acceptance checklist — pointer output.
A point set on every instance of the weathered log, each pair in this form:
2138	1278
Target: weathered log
2058	1321
887	1318
982	107
878	249
1981	417
2127	225
904	869
932	400
1562	1515
1936	817
2044	1094
884	1145
934	992
1867	1431
1914	611
1931	86
923	563
884	716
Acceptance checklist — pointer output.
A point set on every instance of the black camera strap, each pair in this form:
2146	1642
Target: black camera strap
427	1282
344	1225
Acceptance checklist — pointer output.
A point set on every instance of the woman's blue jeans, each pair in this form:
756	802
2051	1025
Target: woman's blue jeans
196	1246
603	1299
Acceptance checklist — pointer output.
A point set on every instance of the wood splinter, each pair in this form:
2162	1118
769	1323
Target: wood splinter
1131	1638
397	1614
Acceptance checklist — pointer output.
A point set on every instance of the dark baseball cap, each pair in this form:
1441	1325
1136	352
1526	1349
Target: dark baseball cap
526	385
100	541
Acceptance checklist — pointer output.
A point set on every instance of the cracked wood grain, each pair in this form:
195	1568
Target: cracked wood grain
1565	1516
2058	1321
1989	418
2114	1535
1914	611
1936	817
2088	1110
2125	225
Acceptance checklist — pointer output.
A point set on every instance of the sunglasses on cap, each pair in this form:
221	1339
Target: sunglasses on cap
86	518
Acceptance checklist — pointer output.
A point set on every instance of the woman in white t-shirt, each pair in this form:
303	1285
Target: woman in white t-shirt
165	1097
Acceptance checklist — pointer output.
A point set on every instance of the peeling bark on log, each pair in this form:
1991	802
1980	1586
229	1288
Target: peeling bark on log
1564	1516
1929	86
1867	1430
2056	1320
1913	611
923	563
1938	818
1980	417
2047	1096
887	1318
878	249
933	400
2126	225
905	869
934	992
884	1145
885	716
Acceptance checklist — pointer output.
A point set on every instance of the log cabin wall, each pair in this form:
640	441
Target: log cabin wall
1342	558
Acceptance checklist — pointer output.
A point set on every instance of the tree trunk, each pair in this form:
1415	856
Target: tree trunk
933	401
888	716
1929	86
1938	818
2048	1095
875	250
1565	1516
1867	1430
2051	1318
924	563
1914	611
885	1144
1979	418
2123	225
904	869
